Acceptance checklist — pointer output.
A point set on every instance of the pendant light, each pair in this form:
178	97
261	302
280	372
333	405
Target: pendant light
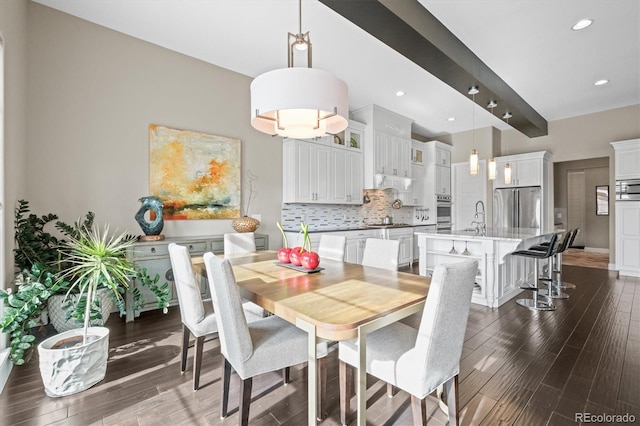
492	161
507	167
473	158
299	102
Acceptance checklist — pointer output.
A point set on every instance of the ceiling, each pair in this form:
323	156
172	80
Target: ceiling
529	44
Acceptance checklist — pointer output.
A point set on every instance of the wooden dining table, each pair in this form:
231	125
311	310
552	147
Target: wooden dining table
340	302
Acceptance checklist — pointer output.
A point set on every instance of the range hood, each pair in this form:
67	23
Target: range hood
391	182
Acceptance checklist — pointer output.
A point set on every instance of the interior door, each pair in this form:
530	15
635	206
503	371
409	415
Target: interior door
575	204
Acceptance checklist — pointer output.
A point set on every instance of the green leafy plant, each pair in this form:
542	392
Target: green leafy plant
43	261
96	260
23	307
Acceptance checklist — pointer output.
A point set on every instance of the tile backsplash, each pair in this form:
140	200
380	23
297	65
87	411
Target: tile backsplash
321	217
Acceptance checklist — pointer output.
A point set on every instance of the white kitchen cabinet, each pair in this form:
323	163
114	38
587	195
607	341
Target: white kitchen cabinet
627	159
317	172
350	138
526	169
405	237
387	147
443	156
443	180
355	242
437	175
415	196
347	184
628	238
417	152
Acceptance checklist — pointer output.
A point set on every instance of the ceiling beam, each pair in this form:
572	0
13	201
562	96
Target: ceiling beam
407	27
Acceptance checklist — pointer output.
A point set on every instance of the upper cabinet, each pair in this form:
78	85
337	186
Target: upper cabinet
323	170
437	175
387	148
627	159
526	169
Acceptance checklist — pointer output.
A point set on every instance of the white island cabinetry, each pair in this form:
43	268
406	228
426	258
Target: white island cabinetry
500	275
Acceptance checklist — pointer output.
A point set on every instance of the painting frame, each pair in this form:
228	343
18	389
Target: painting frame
196	175
602	200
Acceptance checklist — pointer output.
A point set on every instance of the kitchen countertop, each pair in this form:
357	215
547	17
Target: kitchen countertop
515	234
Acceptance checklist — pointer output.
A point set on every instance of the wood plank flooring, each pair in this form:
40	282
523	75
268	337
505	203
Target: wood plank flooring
518	367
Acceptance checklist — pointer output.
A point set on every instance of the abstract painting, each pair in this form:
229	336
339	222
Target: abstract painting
197	176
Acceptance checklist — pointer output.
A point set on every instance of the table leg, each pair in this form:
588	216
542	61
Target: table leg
361	377
312	370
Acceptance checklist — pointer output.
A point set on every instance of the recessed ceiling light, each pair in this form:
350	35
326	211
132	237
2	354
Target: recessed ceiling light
582	24
400	93
451	119
600	82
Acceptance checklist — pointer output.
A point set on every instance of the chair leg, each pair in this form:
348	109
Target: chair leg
197	362
226	378
321	389
245	401
185	347
419	410
286	375
452	400
346	385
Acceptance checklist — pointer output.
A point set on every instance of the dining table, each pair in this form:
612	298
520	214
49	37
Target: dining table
336	301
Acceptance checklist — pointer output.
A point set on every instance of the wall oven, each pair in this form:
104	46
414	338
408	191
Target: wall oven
628	190
443	212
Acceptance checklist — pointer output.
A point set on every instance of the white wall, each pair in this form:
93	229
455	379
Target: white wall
92	94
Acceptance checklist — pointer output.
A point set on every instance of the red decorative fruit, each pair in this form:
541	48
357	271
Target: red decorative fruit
310	260
296	255
283	255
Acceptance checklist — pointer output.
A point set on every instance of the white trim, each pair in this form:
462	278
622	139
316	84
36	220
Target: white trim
5	368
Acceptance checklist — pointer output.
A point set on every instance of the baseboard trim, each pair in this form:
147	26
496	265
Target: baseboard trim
596	250
612	267
5	368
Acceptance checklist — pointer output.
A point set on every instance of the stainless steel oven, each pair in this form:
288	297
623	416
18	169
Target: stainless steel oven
443	211
628	190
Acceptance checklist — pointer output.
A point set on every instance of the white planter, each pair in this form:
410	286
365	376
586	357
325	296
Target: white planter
58	316
67	371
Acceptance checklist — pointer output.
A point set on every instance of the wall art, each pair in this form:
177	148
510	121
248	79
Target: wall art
196	175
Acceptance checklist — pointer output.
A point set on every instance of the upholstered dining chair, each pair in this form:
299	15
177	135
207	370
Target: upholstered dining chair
198	318
244	242
250	349
332	247
418	361
381	253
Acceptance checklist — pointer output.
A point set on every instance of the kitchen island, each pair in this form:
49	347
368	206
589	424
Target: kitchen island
500	275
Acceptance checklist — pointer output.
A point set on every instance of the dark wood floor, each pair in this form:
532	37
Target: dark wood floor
518	367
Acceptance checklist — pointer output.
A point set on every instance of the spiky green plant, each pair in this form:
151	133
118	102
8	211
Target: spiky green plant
97	260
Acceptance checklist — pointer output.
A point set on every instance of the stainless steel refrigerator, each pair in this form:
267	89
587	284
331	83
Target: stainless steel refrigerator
517	207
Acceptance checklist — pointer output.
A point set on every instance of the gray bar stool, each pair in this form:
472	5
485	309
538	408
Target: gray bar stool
534	303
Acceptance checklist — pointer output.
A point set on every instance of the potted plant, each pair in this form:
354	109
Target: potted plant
41	261
75	360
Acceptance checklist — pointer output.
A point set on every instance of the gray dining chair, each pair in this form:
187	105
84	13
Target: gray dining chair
259	347
332	247
418	361
244	242
198	318
381	253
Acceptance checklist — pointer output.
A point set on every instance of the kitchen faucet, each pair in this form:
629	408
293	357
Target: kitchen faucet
482	225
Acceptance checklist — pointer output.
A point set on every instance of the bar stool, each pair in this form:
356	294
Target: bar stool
534	303
557	269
